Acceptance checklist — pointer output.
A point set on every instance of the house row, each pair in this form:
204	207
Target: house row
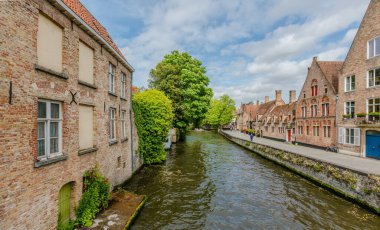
339	103
65	107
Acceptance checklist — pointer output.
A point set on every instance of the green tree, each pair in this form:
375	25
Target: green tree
153	116
183	79
221	111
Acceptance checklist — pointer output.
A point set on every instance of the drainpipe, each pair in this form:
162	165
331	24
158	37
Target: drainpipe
131	121
336	121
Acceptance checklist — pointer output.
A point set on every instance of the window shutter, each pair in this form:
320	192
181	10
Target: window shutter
341	135
357	137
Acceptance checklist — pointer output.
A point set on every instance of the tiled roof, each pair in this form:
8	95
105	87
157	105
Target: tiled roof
264	108
86	16
331	70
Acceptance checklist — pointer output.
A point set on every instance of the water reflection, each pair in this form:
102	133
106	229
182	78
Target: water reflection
210	183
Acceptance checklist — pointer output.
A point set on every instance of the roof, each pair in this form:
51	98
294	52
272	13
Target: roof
77	7
331	70
264	108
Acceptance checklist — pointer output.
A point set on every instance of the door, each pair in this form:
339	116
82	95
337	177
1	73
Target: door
64	204
289	135
373	144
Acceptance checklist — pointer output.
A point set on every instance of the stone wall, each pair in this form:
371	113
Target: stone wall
355	186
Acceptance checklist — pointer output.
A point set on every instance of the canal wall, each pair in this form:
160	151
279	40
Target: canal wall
358	187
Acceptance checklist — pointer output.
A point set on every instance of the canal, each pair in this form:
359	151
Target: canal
210	183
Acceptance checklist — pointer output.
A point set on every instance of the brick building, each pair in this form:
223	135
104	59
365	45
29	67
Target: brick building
315	117
359	89
65	106
246	116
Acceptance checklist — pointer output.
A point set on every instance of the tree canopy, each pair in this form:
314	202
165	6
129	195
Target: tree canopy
221	111
153	116
183	79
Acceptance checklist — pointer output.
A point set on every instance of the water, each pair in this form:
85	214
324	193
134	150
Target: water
210	183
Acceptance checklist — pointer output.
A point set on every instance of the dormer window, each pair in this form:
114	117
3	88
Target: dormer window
374	47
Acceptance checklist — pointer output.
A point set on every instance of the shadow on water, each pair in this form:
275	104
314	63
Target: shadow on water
210	183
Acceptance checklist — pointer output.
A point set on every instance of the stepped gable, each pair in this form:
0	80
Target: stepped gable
86	16
331	70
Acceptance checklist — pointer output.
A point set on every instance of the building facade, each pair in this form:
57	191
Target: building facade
359	90
65	107
316	107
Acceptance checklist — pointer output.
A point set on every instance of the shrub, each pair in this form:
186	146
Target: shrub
153	116
94	198
361	114
374	114
347	115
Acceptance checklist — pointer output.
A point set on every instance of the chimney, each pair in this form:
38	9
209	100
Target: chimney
257	102
266	100
292	96
278	95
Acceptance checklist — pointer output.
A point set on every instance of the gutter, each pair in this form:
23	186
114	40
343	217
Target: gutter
85	27
131	122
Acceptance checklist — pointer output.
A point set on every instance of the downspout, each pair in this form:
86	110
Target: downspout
131	122
336	121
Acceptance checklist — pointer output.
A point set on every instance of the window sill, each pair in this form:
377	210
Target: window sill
123	98
85	151
51	72
41	163
124	140
113	142
112	94
92	86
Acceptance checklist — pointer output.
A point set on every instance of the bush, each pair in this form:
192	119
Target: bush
361	114
94	198
153	116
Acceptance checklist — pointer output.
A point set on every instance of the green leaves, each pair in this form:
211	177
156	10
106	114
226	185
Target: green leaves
183	79
153	116
221	111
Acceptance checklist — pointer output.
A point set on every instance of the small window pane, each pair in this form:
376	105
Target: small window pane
371	46
54	110
41	130
41	109
370	78
53	145
54	129
41	148
377	45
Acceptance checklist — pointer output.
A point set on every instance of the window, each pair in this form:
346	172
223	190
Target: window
86	63
123	128
307	130
304	111
304	94
350	108
49	133
316	131
374	107
326	131
374	77
111	78
123	85
300	130
314	110
325	109
86	123
314	88
325	90
272	129
374	47
350	83
49	44
112	126
266	128
293	130
349	136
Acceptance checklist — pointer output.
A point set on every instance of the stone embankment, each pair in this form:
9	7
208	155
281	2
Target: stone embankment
355	185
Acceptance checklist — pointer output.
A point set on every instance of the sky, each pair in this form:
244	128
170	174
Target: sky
250	47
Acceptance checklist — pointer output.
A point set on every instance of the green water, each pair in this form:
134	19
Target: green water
210	183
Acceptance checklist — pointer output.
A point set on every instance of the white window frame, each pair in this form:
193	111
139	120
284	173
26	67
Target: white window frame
374	47
47	121
123	86
327	131
112	124
343	134
111	78
350	83
123	123
352	113
304	111
325	109
374	77
316	130
314	110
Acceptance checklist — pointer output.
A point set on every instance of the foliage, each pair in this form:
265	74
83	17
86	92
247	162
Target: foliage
153	116
183	79
347	115
361	114
374	114
221	111
94	198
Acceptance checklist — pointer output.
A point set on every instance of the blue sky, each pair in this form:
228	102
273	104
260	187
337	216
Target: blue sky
249	47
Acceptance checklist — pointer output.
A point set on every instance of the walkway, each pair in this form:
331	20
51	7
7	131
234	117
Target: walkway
364	165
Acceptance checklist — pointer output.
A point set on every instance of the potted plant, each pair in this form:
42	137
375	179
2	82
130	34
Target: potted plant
361	114
347	116
374	116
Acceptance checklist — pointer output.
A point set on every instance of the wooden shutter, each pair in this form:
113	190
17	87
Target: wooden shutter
357	137
341	135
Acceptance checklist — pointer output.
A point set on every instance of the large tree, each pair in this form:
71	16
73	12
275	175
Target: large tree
221	111
183	79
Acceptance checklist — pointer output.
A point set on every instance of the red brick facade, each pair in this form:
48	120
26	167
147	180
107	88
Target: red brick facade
29	188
